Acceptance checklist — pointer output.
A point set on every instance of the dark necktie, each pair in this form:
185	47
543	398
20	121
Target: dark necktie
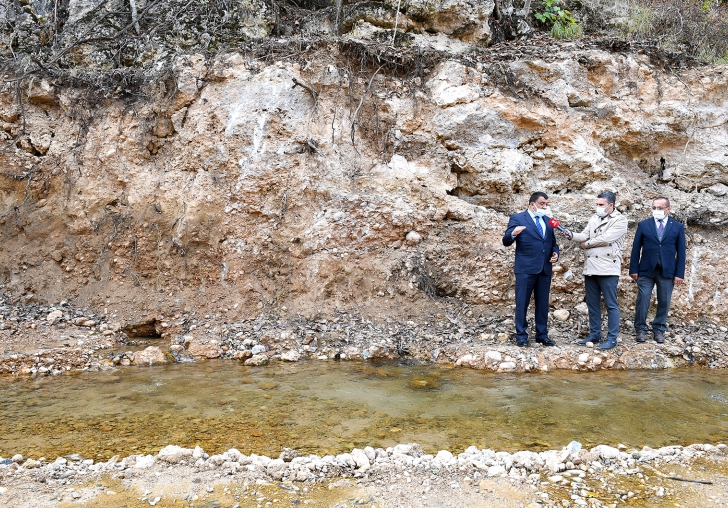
659	227
540	229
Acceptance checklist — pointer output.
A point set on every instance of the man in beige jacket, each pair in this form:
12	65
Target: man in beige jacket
602	241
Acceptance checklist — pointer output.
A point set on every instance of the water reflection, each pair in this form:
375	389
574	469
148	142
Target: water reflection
333	407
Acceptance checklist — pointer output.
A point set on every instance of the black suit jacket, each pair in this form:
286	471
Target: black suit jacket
647	249
532	250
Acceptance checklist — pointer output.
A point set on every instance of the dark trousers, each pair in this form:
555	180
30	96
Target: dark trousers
596	287
539	285
645	284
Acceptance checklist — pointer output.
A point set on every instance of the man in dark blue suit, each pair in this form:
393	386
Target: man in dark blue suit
536	251
658	258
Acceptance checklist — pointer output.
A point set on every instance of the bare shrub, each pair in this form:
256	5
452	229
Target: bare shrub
696	28
119	48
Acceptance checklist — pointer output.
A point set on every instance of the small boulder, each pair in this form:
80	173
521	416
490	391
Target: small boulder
291	356
288	454
413	238
256	360
198	347
173	454
494	356
467	360
361	459
260	348
443	456
606	452
54	316
496	471
31	464
150	356
561	314
277	468
198	453
242	355
144	461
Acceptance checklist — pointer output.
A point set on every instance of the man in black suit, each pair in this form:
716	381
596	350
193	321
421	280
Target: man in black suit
536	251
658	258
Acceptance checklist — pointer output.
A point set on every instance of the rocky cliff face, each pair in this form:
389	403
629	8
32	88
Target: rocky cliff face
343	174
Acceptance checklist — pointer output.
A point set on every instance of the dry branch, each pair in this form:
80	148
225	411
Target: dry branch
308	88
363	96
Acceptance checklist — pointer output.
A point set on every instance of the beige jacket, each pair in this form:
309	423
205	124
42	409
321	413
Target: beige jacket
604	240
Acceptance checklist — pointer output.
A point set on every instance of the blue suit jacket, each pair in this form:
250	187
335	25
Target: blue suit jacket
647	249
532	251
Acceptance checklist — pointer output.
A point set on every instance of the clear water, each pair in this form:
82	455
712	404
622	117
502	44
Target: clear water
333	407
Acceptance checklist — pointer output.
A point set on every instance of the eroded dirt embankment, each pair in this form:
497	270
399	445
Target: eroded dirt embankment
338	232
317	183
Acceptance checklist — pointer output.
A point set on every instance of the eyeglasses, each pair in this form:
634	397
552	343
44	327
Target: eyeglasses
660	208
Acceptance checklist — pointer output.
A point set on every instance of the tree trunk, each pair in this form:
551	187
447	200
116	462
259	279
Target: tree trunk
526	9
509	23
134	15
338	14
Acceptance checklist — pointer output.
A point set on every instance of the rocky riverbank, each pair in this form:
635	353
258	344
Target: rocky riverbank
41	339
403	475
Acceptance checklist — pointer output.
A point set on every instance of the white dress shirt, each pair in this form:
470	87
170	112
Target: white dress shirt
539	219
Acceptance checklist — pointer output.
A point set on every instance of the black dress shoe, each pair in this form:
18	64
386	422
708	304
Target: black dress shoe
641	337
522	343
659	337
546	342
608	344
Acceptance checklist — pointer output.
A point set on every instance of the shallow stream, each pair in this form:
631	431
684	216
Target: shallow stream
327	408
